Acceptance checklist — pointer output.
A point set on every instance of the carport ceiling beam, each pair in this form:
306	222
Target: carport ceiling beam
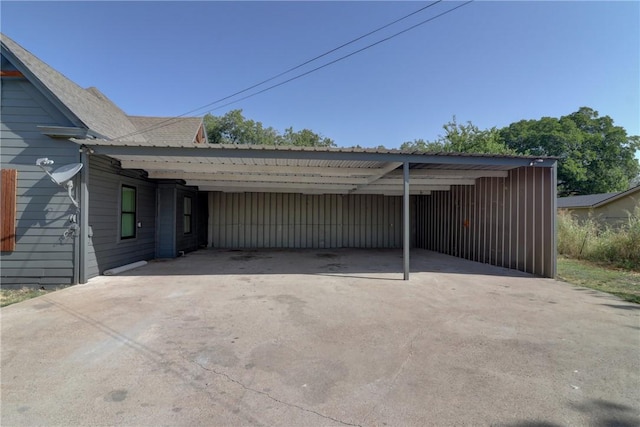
392	188
412	192
385	170
229	177
284	185
426	181
201	167
251	189
451	173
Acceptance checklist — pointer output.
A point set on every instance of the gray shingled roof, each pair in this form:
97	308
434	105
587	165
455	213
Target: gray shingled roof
93	109
585	201
97	112
166	130
593	200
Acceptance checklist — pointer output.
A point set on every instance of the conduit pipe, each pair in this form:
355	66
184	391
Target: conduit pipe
124	268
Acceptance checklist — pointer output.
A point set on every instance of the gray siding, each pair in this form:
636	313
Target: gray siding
42	256
508	222
106	249
166	236
286	220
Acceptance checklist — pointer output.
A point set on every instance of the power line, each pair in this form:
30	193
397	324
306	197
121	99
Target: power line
172	120
342	57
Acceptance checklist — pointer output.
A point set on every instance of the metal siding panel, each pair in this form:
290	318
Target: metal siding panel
503	193
538	256
493	224
511	213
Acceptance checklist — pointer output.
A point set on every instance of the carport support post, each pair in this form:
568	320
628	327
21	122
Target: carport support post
405	222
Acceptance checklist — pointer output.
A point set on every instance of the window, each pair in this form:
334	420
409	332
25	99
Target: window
187	215
128	212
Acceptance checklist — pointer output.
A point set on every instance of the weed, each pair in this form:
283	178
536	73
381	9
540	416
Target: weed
588	240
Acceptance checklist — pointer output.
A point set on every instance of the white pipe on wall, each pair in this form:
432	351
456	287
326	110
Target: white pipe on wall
124	268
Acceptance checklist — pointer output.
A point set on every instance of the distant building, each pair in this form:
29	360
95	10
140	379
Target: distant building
611	209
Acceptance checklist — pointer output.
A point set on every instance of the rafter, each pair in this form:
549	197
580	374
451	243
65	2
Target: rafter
237	177
235	168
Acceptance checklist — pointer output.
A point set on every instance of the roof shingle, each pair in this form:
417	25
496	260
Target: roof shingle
167	131
90	106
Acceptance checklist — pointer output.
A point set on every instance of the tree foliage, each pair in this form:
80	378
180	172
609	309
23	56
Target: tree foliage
462	138
594	155
234	128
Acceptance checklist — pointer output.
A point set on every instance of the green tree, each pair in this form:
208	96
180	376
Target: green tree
234	128
462	138
305	138
594	155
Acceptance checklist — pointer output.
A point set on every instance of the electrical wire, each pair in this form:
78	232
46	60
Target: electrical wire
173	120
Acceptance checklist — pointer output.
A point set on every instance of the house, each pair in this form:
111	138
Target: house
42	111
612	209
150	187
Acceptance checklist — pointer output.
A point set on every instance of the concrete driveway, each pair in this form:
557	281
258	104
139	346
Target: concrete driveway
321	338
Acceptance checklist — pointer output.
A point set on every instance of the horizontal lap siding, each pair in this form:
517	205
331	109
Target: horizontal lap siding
508	222
42	255
106	250
287	220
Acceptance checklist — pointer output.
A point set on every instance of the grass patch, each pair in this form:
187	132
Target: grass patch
592	241
624	284
12	296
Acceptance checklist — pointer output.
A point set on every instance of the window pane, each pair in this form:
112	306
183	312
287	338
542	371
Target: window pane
128	225
187	224
128	199
187	205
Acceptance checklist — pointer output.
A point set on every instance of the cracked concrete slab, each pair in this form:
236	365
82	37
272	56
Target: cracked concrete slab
320	338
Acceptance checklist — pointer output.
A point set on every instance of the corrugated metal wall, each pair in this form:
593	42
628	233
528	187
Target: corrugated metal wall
286	220
508	222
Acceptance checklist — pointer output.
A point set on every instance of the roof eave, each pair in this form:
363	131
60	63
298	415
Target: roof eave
209	150
46	92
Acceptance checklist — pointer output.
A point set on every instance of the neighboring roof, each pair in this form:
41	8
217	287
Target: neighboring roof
91	107
170	131
593	200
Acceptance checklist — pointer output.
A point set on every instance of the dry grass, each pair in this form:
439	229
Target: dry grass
590	241
12	296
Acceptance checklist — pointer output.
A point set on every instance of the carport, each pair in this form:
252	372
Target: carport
493	209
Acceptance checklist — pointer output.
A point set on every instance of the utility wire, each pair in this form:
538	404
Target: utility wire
172	120
341	58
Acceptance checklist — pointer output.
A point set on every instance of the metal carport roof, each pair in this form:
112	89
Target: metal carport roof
308	170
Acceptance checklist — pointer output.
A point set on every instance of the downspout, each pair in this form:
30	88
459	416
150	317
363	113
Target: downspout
83	249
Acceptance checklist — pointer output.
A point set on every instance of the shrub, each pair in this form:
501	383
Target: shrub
593	242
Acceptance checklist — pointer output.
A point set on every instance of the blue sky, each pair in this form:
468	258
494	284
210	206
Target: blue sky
492	63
